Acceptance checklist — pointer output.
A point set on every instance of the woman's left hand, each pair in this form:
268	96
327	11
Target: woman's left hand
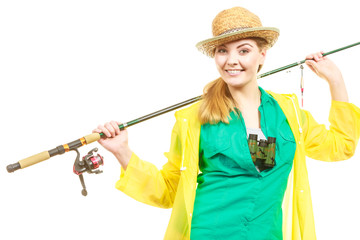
324	67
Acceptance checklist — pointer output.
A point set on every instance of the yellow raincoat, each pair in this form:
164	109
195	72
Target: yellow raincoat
175	185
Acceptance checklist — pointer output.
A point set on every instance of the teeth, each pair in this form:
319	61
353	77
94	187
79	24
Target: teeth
233	71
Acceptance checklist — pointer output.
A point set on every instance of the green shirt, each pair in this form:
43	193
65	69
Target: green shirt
233	199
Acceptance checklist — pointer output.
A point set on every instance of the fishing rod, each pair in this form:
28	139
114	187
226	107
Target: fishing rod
303	61
94	161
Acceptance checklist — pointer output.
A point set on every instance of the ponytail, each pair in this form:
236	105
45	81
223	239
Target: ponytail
217	103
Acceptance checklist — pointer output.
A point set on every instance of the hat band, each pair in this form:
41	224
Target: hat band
233	30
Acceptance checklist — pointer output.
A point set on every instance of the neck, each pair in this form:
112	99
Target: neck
248	96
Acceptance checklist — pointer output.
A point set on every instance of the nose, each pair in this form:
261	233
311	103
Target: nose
233	59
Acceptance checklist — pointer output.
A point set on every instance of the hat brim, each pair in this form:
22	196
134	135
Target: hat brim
268	33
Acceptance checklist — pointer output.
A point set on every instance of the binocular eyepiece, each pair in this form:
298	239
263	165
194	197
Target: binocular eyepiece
262	152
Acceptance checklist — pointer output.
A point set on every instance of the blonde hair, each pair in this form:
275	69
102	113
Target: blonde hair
217	100
217	103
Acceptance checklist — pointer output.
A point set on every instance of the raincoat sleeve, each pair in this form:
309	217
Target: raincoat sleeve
145	183
340	140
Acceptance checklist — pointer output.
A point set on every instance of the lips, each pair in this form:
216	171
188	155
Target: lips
234	71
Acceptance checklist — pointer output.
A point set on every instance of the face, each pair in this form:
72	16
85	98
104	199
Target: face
238	62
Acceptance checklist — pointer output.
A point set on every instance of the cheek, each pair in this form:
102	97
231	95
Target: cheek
219	61
251	63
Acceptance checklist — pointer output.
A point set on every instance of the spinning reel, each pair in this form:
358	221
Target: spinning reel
89	163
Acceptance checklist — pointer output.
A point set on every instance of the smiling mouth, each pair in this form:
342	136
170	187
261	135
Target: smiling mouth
234	71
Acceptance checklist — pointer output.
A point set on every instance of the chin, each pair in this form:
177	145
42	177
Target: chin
235	83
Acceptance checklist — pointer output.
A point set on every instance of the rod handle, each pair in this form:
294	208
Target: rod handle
92	138
26	162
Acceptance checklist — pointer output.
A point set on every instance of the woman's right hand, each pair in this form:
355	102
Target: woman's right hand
116	141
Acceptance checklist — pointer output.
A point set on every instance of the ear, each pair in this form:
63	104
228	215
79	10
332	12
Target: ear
262	60
263	56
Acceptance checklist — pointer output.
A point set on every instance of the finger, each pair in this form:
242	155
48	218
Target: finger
310	57
110	128
101	141
311	64
116	127
315	56
319	56
104	130
96	130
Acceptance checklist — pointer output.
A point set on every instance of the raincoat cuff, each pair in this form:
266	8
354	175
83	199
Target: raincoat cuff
125	175
345	116
345	106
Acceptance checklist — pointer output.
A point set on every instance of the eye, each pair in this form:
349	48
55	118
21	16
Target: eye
244	51
221	50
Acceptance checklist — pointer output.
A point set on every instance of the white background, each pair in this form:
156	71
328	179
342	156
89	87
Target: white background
67	66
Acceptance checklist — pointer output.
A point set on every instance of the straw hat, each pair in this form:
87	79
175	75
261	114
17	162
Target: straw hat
234	24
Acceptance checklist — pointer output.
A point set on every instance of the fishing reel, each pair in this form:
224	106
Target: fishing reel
89	163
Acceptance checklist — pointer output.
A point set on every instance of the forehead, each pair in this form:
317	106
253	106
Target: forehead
236	43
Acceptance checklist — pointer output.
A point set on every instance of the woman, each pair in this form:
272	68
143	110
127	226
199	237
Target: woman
215	188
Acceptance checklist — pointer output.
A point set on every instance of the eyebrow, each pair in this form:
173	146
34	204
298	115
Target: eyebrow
241	45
